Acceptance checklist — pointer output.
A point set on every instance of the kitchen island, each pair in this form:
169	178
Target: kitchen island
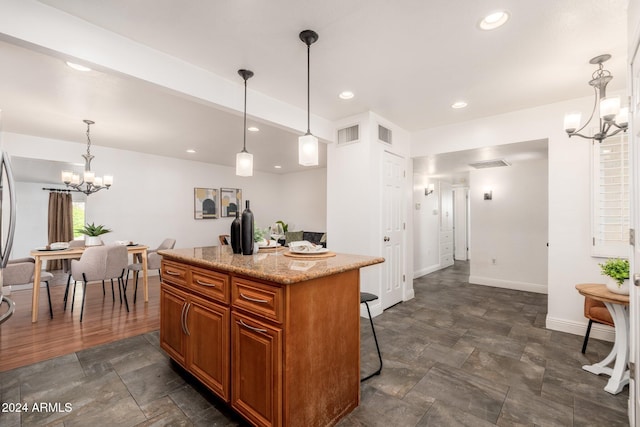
278	338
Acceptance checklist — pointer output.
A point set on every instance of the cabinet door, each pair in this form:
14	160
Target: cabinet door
208	326
256	360
173	304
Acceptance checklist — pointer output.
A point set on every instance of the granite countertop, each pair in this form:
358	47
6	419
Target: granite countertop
271	265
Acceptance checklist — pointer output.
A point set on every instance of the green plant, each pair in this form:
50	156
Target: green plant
616	268
258	234
285	227
93	230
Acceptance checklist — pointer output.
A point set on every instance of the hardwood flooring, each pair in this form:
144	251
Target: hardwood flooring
23	343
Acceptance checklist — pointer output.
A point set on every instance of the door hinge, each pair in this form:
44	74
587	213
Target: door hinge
593	241
404	225
632	370
632	237
403	278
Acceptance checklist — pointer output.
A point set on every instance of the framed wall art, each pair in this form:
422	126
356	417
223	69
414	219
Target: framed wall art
230	201
205	203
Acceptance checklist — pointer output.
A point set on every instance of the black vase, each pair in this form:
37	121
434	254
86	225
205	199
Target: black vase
247	231
236	245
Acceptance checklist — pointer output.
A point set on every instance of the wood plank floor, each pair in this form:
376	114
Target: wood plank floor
23	343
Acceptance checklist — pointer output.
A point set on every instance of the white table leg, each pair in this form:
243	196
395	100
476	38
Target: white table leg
620	352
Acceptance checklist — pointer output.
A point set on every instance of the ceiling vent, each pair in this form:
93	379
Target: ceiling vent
349	135
496	163
384	134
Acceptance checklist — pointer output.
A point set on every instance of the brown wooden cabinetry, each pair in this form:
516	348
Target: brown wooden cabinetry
194	331
282	355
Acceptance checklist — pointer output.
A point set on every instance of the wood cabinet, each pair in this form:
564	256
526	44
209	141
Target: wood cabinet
281	355
194	331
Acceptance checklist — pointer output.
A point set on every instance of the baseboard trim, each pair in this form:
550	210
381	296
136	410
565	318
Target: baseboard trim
601	332
427	270
508	284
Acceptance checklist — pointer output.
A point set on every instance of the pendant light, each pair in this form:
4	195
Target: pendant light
244	159
308	144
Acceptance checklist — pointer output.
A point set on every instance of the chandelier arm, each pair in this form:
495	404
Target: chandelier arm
580	135
595	105
618	126
616	131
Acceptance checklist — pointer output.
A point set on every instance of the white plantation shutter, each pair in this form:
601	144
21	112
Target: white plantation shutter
611	197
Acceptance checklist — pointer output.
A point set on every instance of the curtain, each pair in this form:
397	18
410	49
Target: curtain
60	222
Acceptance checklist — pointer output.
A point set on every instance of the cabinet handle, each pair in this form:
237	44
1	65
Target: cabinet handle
251	327
172	273
263	301
212	285
182	322
186	313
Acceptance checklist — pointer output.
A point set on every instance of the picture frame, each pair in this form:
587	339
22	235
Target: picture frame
205	203
230	201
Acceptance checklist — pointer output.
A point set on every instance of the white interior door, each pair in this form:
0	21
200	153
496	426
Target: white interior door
393	224
634	297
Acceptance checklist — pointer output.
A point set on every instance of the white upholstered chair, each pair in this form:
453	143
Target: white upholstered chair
20	272
100	263
153	263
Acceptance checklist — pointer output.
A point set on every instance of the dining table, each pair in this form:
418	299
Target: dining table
44	254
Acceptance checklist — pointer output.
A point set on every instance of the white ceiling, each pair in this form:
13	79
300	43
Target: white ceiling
404	60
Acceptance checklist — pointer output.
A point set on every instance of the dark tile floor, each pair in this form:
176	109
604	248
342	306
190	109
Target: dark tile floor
456	355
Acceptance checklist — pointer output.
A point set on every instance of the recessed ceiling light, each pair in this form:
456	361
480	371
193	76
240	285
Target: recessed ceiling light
78	67
278	167
494	20
191	151
346	94
458	104
253	129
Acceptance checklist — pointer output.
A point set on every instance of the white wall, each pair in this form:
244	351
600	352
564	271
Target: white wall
304	194
569	260
511	228
354	198
152	196
426	227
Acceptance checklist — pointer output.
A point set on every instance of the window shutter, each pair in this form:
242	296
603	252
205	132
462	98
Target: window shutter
611	197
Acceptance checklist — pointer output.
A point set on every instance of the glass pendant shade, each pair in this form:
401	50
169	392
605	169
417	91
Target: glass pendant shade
308	150
244	164
572	121
609	108
89	177
622	119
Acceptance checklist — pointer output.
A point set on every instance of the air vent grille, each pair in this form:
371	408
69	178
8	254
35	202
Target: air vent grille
348	135
496	163
384	134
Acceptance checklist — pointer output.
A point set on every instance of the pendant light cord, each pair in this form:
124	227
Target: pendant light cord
308	89
244	142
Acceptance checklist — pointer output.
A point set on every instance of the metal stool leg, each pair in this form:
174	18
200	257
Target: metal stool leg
377	346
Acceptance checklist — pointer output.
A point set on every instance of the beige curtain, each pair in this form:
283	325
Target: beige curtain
60	222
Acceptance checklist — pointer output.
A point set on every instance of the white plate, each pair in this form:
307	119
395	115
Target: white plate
309	252
272	244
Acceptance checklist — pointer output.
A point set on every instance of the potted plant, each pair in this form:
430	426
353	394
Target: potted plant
617	272
92	234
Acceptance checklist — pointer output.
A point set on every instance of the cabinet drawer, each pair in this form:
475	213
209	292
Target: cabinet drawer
210	283
174	273
258	298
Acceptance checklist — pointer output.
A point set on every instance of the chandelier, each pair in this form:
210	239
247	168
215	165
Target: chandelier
89	183
612	118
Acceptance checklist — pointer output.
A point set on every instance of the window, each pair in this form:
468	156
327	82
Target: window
610	187
78	219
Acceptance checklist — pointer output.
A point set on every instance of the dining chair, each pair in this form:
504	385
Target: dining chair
20	272
224	239
66	265
100	263
597	312
153	263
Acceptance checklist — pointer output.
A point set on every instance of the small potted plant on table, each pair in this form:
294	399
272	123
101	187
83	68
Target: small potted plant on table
617	272
92	234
